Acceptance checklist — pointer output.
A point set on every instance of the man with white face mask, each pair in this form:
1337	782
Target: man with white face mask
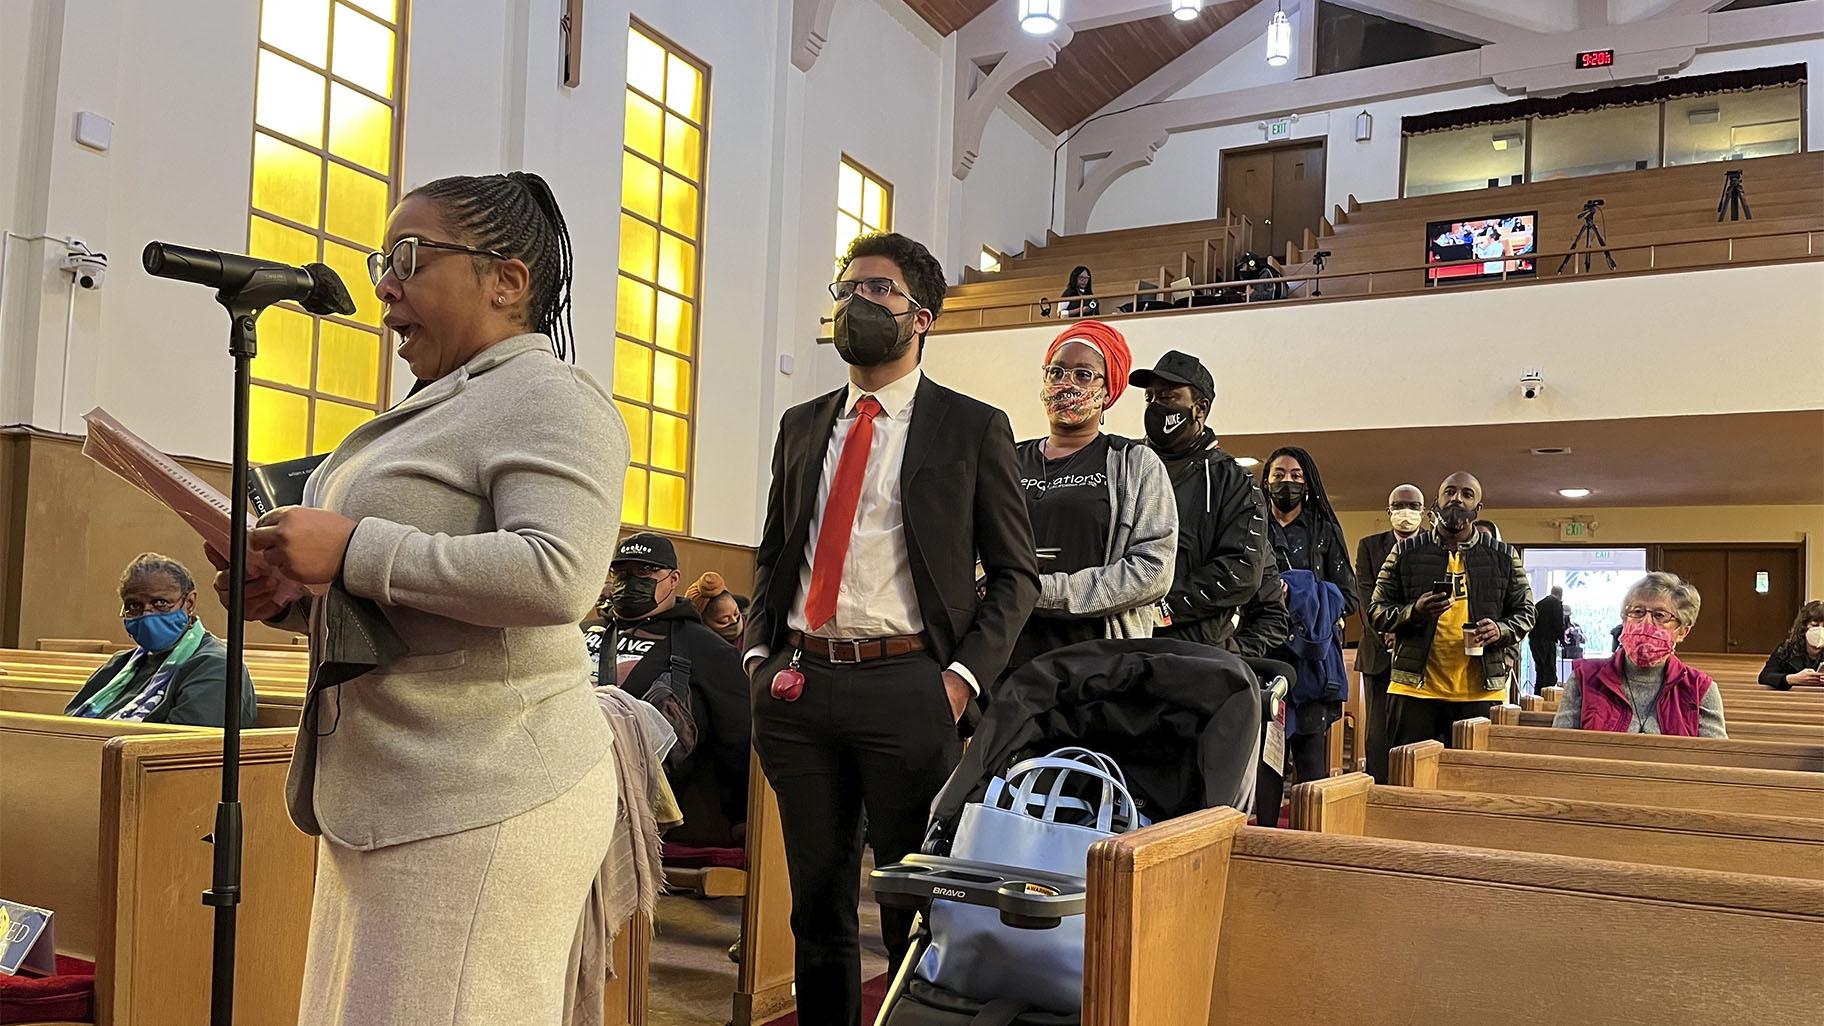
1406	512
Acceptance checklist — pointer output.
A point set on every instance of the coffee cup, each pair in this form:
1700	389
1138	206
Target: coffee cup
1470	645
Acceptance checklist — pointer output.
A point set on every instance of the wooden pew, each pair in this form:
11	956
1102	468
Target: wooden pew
1479	735
1770	845
50	696
1739	730
763	983
1205	898
1760	792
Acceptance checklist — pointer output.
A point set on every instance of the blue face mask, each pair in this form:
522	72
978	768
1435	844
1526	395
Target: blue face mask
156	632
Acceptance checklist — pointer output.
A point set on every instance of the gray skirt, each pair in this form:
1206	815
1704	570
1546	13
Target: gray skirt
468	929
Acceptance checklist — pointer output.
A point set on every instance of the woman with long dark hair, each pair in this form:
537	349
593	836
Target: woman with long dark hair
1080	283
1799	661
464	794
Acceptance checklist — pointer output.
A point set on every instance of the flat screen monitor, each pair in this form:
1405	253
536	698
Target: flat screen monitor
1494	240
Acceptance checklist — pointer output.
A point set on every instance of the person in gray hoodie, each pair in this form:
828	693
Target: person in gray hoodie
1104	516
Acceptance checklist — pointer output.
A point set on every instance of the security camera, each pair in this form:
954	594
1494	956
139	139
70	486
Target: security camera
1532	383
88	267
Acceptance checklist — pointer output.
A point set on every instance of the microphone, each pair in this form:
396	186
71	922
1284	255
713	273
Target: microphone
315	287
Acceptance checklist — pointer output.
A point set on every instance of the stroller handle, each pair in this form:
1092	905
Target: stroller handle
1028	899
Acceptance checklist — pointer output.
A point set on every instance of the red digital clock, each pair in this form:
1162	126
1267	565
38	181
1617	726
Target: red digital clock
1595	59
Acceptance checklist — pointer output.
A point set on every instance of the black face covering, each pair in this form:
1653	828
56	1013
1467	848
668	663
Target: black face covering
1287	495
868	334
633	596
1455	516
1169	429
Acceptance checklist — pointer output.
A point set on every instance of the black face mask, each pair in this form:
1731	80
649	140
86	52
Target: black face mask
1169	429
868	334
1287	495
633	596
1455	516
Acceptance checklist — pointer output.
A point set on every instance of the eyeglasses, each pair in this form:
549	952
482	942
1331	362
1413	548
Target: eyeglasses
874	290
1636	614
157	605
1082	376
402	260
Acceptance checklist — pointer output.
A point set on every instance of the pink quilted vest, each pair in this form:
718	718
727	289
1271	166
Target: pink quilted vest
1605	700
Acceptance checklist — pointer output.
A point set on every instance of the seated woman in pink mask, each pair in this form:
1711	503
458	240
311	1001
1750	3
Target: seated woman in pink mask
1643	688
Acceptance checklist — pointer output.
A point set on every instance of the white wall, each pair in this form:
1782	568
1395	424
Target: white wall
1004	198
1625	347
1181	183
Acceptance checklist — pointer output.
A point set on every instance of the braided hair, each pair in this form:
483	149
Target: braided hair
516	215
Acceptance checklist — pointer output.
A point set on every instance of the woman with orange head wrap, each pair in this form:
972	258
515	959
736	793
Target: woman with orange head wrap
1103	513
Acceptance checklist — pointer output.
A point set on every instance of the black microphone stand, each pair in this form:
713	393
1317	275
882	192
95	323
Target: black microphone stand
244	305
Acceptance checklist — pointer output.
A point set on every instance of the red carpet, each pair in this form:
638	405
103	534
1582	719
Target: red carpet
872	991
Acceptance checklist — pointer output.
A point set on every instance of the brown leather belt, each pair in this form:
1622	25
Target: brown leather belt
849	651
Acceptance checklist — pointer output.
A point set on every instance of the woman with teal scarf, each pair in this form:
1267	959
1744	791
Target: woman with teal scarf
176	672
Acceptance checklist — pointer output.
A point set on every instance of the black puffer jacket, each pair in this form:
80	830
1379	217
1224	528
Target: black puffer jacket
1222	544
1497	591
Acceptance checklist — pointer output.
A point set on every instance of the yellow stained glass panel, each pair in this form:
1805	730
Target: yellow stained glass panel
674	323
334	422
683	148
645	123
348	363
632	370
639	424
677	265
639	186
683	88
667	499
670	383
848	188
360	129
645	64
280	422
351	265
299	27
679	206
670	442
356	209
289	99
639	247
633	309
388	9
287	180
873	205
846	230
364	52
270	240
285	339
633	497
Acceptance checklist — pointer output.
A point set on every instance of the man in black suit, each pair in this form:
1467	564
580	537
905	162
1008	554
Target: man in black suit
1406	512
1548	631
867	637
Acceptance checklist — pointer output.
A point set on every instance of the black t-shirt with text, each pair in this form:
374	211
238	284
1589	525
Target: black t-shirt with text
1069	504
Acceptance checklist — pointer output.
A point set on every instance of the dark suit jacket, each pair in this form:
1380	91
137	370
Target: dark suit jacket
1548	622
960	494
1371	656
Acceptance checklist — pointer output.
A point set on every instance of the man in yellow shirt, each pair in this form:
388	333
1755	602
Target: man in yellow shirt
1457	602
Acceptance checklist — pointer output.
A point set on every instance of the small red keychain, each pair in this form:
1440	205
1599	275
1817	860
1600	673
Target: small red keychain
788	683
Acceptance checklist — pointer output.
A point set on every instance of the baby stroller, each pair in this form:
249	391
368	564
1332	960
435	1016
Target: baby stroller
1090	740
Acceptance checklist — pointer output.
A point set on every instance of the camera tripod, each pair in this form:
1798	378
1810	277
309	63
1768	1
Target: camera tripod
1734	201
1589	239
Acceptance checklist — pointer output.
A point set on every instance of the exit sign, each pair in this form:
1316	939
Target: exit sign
1281	129
1595	59
1573	530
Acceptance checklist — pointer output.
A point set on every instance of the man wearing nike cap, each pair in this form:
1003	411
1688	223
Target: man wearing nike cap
1222	547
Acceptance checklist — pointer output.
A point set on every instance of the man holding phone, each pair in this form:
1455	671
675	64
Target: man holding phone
1457	604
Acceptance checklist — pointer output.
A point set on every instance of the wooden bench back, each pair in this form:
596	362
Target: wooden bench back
1727	842
50	805
1739	730
1760	792
1483	736
1168	901
51	696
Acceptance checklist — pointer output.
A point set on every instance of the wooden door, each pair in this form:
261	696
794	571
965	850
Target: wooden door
1280	189
1706	569
1757	620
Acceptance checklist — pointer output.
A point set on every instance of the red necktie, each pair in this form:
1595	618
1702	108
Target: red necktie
839	516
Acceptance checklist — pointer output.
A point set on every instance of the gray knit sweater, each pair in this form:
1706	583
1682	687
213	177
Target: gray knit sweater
1642	685
1142	550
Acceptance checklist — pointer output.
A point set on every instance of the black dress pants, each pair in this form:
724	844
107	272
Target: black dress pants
877	736
1376	707
1411	720
1545	664
1309	755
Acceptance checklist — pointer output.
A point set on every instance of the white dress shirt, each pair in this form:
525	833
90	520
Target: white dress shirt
876	598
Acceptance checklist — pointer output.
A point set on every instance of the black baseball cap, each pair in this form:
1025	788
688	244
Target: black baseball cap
651	549
1176	368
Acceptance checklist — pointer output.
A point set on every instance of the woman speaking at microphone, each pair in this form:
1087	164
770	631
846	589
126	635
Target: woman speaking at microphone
464	794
